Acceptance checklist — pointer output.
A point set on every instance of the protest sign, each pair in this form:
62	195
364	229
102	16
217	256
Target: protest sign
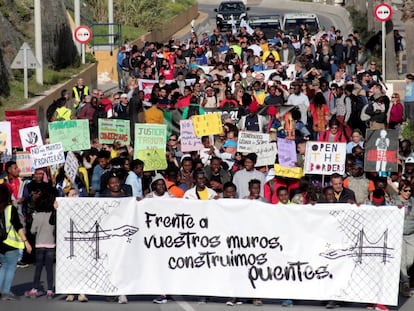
71	166
247	141
25	164
233	114
287	152
207	124
381	151
47	155
20	119
30	137
289	172
213	248
5	138
73	134
266	154
150	141
325	158
188	139
111	130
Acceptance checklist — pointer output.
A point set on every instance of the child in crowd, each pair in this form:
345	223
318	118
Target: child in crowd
44	227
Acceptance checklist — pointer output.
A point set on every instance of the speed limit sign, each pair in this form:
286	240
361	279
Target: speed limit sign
383	12
83	34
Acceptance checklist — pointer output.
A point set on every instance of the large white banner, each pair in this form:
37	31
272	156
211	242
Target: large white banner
230	248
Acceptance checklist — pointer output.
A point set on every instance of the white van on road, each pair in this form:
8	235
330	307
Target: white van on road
292	22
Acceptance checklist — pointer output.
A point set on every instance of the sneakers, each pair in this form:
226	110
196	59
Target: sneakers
9	297
70	298
83	298
332	305
233	302
122	299
379	307
287	303
21	264
33	293
50	294
257	302
160	299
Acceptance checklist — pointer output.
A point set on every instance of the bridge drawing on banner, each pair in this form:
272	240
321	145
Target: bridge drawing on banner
367	243
96	234
364	248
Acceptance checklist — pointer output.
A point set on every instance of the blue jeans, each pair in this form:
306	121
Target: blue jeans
7	270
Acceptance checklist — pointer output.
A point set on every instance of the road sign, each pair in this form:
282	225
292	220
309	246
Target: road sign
83	34
382	12
19	60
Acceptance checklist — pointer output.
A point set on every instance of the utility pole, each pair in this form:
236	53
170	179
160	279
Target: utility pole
111	23
38	40
76	6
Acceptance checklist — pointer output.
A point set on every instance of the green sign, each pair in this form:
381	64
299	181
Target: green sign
150	144
73	134
112	130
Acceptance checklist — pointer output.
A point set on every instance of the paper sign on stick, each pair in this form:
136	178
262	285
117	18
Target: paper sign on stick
30	137
150	143
325	158
20	119
111	130
207	124
25	164
247	141
73	134
47	155
189	141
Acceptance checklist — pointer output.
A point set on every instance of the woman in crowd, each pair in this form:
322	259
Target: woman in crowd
13	239
396	113
320	114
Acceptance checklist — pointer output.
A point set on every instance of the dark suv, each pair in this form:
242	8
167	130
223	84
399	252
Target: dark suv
226	10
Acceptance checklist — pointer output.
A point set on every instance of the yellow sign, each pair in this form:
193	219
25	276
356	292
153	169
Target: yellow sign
291	172
207	124
3	142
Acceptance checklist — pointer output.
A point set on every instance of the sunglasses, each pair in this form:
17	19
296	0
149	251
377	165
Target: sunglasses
172	139
406	190
117	97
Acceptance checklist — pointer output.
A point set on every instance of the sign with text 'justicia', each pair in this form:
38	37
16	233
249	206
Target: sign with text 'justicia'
229	248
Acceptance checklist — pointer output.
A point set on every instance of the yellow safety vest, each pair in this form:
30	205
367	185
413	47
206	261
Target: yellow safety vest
13	238
85	92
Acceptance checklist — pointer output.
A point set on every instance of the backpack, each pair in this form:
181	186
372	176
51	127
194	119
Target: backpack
51	111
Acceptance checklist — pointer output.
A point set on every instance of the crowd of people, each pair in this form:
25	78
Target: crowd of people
310	87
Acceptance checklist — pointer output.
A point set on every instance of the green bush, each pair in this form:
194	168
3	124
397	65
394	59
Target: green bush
408	131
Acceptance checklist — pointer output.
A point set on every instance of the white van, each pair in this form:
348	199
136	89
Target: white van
292	22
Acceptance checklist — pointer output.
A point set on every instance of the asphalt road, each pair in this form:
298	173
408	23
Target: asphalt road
24	277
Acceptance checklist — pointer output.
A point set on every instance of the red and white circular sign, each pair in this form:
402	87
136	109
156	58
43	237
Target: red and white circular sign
83	34
382	12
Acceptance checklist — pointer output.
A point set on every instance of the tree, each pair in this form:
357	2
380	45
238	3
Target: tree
408	19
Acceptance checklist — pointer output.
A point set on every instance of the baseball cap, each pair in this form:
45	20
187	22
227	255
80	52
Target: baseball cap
229	143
